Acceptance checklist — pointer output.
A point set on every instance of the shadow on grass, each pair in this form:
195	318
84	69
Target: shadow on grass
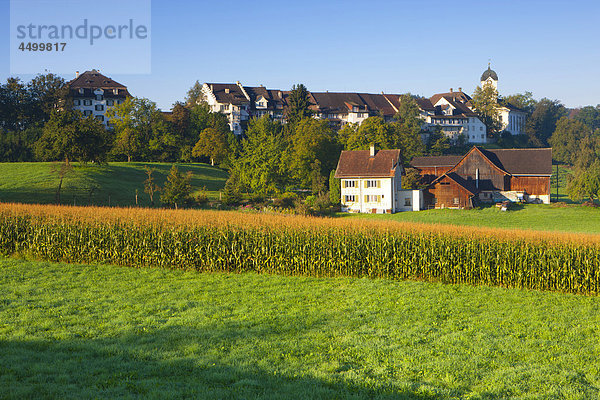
173	362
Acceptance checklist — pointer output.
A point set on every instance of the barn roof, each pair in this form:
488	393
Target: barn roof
513	161
359	163
435	161
522	161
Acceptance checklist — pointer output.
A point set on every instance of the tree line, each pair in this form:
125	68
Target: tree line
37	123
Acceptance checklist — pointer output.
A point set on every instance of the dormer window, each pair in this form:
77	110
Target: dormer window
115	91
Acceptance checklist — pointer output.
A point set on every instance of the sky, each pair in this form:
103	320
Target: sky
548	47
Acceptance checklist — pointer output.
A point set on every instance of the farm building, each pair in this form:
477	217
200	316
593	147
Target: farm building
371	183
486	176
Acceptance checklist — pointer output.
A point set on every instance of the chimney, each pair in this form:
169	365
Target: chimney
76	74
372	151
451	90
460	89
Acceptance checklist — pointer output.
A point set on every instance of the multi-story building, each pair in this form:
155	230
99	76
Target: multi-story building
453	111
94	93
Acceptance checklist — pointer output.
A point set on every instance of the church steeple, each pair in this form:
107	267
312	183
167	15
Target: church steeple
489	76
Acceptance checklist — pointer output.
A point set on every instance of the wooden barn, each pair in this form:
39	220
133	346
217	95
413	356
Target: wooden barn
486	176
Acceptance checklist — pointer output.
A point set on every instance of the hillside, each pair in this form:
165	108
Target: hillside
114	184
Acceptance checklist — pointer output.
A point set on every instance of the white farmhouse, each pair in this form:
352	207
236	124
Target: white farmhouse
371	183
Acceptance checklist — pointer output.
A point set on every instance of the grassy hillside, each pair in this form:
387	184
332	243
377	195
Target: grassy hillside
96	184
89	331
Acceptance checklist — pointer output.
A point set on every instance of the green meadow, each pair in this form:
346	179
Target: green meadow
114	184
100	331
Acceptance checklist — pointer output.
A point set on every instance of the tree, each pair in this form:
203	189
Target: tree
62	170
318	182
150	186
542	122
566	139
140	129
298	104
178	188
411	179
524	101
194	95
260	167
373	131
586	183
212	144
485	103
408	128
48	92
69	135
312	140
590	116
437	143
335	189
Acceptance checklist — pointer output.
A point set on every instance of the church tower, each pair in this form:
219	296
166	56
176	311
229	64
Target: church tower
489	76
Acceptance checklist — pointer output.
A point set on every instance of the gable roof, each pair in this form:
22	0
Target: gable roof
94	80
468	186
511	161
459	96
359	163
435	161
235	95
522	161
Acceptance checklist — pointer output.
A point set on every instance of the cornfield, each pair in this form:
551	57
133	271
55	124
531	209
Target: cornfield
239	242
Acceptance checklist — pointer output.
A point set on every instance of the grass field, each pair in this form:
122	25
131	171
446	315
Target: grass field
89	331
115	182
543	217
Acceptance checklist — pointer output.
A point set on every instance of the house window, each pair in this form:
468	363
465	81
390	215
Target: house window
373	183
100	117
456	200
99	97
482	136
115	91
350	198
76	102
349	184
407	202
110	102
444	183
87	112
99	107
81	91
87	102
372	198
481	128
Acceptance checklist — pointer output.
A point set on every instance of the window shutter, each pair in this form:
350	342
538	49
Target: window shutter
378	197
345	184
366	198
366	186
378	183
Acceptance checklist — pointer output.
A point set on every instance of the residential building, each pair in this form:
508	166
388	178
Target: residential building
230	99
484	175
371	182
93	94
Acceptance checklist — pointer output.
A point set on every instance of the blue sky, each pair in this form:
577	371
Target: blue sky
546	47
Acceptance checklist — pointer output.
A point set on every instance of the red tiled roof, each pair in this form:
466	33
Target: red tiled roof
359	163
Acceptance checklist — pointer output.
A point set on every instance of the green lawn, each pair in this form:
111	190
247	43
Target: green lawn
79	331
571	218
117	182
